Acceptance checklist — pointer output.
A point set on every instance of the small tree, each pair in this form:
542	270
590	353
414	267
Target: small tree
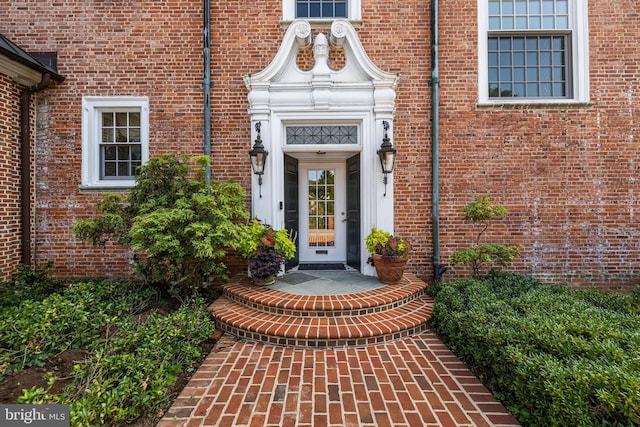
179	230
481	211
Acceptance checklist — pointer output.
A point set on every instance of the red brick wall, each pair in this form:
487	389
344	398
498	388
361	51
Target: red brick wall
104	48
10	245
568	176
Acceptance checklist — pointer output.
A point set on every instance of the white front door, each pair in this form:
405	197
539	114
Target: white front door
322	231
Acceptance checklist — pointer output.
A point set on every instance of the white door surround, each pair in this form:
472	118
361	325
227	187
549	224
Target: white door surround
360	94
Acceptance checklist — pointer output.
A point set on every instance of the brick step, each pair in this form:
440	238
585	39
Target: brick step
283	303
322	331
364	318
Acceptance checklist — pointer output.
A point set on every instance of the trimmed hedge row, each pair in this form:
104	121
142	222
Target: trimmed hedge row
554	356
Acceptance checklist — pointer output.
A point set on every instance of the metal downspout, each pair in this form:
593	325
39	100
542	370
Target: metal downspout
25	164
207	90
438	268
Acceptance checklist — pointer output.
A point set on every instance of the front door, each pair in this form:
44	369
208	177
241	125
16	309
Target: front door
354	238
323	213
291	203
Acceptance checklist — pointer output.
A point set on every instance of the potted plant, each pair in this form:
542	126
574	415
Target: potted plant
389	255
266	250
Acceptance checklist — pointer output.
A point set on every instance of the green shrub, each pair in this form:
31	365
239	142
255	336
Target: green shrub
481	212
33	331
555	356
29	284
133	371
179	227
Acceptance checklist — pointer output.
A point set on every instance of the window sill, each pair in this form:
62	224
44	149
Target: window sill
320	24
531	104
102	188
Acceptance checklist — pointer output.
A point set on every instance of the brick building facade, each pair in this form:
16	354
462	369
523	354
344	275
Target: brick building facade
564	164
10	177
22	76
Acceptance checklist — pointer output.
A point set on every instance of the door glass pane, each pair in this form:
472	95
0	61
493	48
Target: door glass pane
321	199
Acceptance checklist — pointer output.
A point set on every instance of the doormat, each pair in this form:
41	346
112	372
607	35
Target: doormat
324	266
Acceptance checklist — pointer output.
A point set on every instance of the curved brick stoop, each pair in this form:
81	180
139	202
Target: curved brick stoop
323	321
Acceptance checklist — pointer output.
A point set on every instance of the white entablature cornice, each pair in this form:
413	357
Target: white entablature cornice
359	83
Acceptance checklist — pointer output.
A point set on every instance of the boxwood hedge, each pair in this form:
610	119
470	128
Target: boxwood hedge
554	356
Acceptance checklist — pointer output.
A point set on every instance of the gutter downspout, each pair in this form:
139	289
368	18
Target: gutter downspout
207	91
25	164
438	268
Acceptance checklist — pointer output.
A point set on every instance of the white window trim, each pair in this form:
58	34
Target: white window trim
92	106
579	60
289	11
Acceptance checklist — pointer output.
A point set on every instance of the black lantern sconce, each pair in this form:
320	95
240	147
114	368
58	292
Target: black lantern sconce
258	156
387	155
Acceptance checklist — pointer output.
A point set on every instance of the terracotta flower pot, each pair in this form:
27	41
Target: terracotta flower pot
390	269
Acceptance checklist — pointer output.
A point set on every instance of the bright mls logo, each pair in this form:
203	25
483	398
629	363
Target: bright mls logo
34	415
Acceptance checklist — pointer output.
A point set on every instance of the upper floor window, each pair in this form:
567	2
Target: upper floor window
533	51
115	140
320	9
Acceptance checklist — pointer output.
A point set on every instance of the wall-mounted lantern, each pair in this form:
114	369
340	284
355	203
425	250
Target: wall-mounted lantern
258	156
387	155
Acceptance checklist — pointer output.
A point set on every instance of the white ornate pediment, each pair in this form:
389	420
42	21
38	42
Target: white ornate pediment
359	82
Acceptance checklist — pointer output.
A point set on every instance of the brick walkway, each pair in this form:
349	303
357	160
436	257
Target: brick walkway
414	381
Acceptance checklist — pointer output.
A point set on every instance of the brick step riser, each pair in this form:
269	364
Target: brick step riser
367	318
299	342
320	311
324	332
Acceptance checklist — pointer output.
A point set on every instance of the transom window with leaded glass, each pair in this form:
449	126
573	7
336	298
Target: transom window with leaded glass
120	144
305	135
534	49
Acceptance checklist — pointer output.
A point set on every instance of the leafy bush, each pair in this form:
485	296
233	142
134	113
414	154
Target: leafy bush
29	284
132	371
134	361
180	228
555	356
481	211
33	331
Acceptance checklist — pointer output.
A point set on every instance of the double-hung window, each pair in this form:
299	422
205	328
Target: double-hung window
320	9
115	140
533	51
